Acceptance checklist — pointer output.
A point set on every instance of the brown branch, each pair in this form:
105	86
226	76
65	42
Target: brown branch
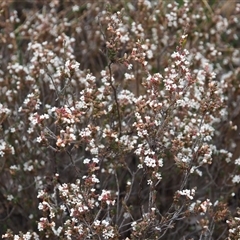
116	100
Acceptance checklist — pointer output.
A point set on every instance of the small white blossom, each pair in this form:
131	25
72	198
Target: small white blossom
188	193
236	179
237	161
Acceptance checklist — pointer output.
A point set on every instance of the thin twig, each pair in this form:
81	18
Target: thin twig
118	199
70	156
115	99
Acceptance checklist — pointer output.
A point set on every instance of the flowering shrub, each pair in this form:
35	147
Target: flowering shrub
119	120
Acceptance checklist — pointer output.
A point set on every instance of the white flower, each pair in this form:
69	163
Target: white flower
150	162
86	161
158	176
75	8
39	139
236	179
95	160
149	182
188	193
237	161
133	225
95	179
140	166
10	197
130	66
27	236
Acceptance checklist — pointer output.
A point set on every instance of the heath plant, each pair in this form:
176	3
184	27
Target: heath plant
119	119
